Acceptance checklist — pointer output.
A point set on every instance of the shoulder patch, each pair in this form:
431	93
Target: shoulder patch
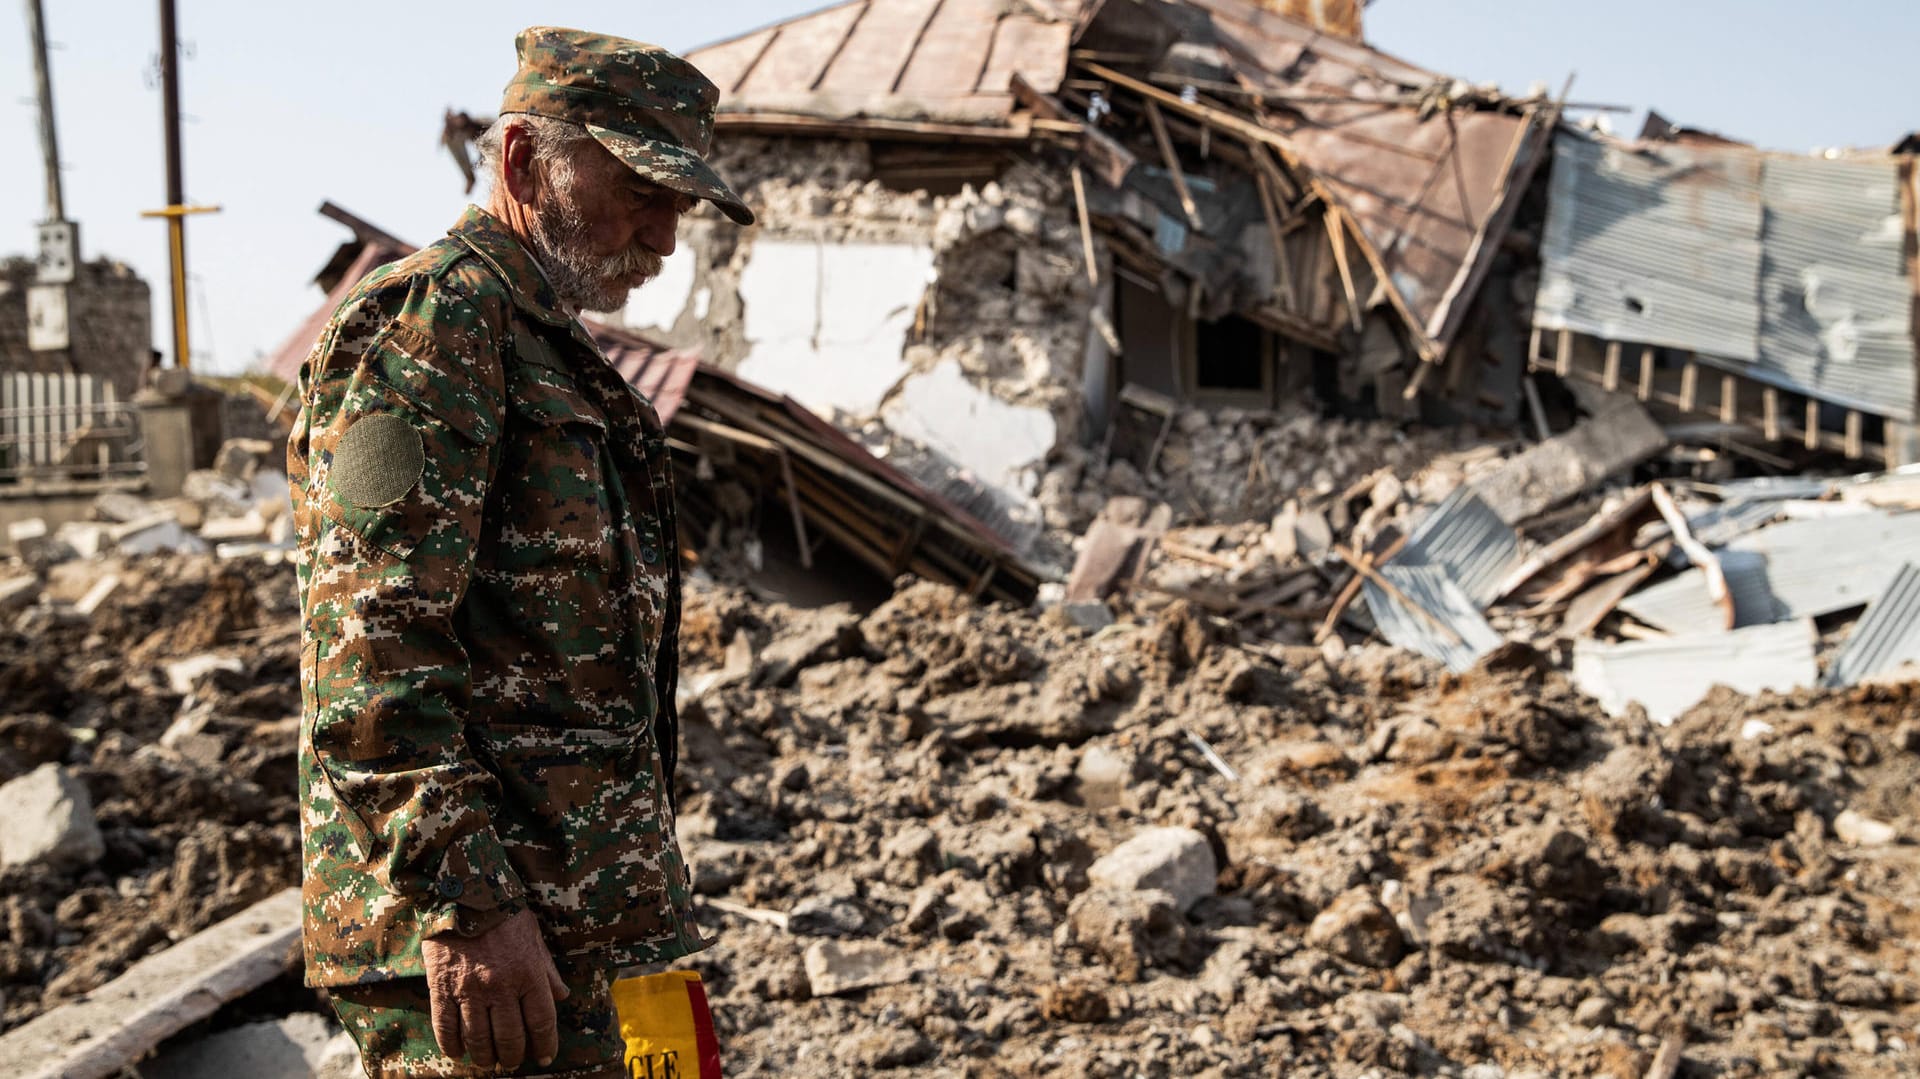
377	461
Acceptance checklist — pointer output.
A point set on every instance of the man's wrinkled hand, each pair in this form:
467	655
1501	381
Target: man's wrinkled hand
493	996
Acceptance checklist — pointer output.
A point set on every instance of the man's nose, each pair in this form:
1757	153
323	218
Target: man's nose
659	228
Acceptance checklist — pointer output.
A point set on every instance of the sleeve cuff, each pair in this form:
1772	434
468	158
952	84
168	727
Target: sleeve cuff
474	890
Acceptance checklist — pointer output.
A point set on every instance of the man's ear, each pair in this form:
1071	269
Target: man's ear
516	158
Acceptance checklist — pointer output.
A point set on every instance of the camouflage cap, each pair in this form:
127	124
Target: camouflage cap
652	109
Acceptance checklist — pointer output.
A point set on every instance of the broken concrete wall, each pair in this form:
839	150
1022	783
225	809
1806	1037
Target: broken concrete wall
957	324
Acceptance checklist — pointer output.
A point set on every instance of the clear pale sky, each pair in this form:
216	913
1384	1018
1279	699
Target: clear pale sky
290	104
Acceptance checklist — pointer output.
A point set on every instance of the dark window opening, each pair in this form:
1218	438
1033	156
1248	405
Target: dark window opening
1229	354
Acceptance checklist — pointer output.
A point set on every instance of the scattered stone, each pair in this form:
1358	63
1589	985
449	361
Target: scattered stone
1594	1012
885	1048
1863	831
1129	931
1075	1001
1357	928
1103	775
48	818
1178	861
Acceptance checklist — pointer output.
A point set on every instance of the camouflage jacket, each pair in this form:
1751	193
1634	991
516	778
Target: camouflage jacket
489	594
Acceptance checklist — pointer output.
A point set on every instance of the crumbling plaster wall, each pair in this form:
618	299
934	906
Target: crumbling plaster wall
957	323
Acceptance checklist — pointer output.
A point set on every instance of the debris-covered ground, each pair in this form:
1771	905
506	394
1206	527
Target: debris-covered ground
904	828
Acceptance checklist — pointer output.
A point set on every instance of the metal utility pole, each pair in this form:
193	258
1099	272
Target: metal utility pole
43	84
176	209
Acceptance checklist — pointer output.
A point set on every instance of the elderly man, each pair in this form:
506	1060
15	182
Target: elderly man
490	595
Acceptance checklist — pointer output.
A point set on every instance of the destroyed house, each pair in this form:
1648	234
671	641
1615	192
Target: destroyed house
985	227
996	240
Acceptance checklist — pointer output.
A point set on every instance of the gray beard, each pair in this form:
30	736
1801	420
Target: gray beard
558	242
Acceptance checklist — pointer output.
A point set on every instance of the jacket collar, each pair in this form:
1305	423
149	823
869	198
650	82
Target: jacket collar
490	240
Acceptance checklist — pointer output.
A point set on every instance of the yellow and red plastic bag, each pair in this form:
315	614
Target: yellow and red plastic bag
667	1026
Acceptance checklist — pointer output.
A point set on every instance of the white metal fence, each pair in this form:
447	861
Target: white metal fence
63	426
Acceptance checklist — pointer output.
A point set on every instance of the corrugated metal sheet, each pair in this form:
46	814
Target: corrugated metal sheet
1433	590
1886	638
1681	605
1817	567
1464	537
1668	677
1657	244
1728	521
1836	306
938	60
1794	569
1789	270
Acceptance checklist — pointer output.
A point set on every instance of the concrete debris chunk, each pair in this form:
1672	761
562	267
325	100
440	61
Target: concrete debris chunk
87	539
241	458
103	590
835	967
1178	861
1615	438
292	1048
16	592
182	674
48	817
248	526
119	507
157	533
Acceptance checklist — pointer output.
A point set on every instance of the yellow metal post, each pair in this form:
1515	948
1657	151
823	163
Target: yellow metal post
177	262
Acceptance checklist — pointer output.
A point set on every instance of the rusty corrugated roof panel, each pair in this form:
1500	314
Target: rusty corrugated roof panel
1428	182
937	60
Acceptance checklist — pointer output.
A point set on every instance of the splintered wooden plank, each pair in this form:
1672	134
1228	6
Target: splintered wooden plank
801	52
729	62
163	994
878	49
953	52
1035	50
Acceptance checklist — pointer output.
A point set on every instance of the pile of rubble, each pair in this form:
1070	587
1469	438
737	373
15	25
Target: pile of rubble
238	508
942	836
1187	820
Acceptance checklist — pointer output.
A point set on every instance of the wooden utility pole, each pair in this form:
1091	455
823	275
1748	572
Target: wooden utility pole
58	259
43	85
176	210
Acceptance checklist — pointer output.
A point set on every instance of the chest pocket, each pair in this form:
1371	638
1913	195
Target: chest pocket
554	501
